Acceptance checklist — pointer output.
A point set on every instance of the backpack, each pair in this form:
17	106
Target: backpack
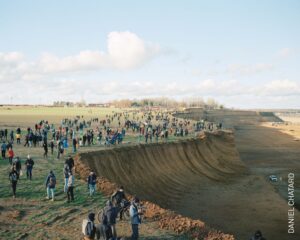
52	181
84	226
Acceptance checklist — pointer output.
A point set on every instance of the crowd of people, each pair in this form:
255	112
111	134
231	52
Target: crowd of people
78	132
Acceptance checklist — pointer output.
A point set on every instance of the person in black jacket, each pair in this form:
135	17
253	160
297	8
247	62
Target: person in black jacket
29	166
117	198
14	177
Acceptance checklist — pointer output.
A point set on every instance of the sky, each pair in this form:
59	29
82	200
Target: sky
244	54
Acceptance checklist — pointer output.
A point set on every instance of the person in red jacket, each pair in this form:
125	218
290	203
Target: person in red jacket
11	155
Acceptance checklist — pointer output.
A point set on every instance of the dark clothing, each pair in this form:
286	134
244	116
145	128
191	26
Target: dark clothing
45	146
70	193
109	215
70	162
14	177
29	165
92	179
118	196
135	231
51	181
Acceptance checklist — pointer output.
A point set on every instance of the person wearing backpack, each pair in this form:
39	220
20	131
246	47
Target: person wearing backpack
109	217
50	185
29	166
92	180
14	177
135	218
89	227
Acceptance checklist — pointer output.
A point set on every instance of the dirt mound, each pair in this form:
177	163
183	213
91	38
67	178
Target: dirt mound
164	173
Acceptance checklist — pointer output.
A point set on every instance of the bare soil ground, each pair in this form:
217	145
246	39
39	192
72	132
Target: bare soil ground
253	202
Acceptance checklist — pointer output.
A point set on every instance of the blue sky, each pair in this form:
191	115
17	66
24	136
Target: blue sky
245	54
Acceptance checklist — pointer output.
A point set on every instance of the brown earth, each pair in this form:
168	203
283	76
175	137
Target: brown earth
204	179
265	151
166	173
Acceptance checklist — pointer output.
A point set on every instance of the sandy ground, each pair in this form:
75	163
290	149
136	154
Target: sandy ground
290	128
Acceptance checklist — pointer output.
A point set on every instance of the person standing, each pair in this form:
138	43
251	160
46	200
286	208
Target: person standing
17	163
29	166
109	219
92	180
50	185
3	150
45	146
70	192
52	146
10	155
14	177
135	218
74	143
89	227
66	175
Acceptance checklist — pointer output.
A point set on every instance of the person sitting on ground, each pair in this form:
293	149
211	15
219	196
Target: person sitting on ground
29	166
257	236
50	185
117	199
109	217
92	180
14	177
135	218
89	227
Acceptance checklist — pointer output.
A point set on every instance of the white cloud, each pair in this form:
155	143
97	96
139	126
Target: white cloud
281	88
125	50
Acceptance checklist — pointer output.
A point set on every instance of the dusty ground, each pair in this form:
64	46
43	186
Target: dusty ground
253	202
289	128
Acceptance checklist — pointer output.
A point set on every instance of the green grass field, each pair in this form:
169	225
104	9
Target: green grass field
31	215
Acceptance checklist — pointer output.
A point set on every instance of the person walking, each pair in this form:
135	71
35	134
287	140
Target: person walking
50	185
29	166
14	177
